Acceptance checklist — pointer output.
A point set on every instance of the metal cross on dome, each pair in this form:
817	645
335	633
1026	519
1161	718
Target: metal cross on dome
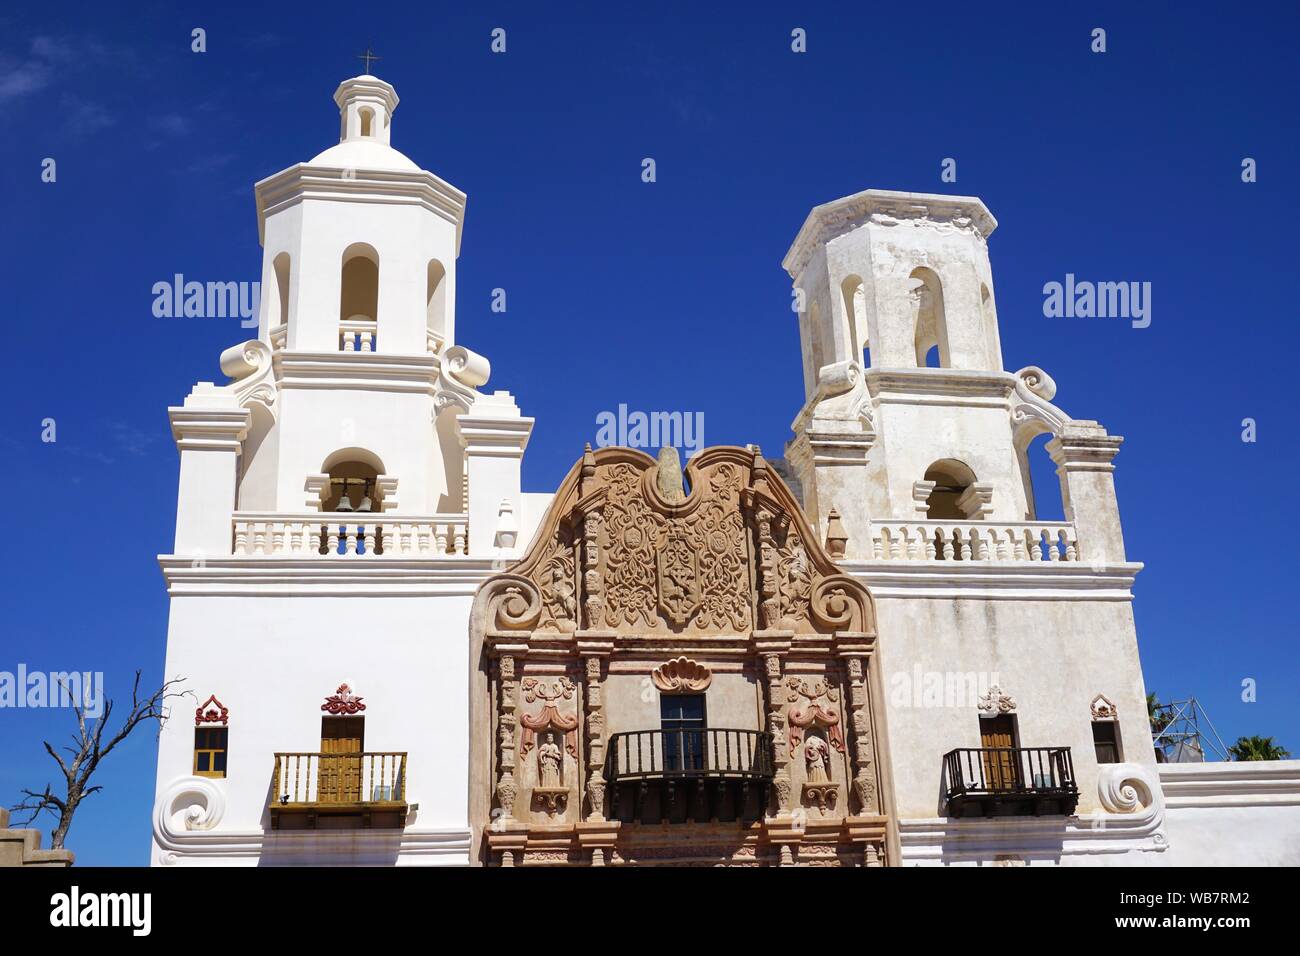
368	56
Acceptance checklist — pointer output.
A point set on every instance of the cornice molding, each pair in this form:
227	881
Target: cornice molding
940	386
209	429
374	371
1246	783
997	580
340	575
886	207
304	181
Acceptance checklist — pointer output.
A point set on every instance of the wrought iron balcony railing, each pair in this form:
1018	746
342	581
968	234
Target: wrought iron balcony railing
674	776
370	786
712	752
994	781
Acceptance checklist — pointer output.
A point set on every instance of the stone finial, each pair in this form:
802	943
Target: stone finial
837	538
668	481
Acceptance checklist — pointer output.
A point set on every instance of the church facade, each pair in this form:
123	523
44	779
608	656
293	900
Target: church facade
869	652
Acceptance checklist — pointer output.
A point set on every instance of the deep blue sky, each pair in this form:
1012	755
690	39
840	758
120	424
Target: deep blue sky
1122	166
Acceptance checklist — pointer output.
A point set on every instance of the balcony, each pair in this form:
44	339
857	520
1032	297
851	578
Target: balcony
676	776
338	791
348	534
935	540
1010	781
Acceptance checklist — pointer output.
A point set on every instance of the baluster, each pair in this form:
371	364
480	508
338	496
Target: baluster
945	543
916	545
317	534
965	544
1052	545
366	338
241	537
1071	546
1006	545
895	552
460	539
905	543
441	539
368	539
295	537
981	546
1036	546
334	530
349	343
297	769
878	544
277	538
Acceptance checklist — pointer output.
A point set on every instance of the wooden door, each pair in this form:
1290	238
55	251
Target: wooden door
339	779
997	738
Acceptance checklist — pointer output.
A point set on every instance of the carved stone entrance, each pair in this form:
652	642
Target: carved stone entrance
633	590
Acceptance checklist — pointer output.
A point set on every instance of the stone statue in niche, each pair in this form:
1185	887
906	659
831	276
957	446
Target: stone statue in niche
816	757
548	763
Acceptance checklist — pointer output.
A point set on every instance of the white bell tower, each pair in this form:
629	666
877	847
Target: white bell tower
340	500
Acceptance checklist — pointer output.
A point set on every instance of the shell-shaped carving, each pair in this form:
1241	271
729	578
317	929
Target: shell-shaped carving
681	675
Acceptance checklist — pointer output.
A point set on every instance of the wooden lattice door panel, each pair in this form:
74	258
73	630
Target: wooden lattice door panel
998	738
342	740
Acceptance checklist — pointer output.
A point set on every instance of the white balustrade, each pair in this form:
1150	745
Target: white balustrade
935	540
356	336
348	534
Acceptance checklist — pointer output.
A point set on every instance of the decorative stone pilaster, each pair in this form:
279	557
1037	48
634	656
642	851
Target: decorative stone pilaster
830	457
209	430
776	726
506	788
1084	456
864	754
593	584
493	437
769	602
595	700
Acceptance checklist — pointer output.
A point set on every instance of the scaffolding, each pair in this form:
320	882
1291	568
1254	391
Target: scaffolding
1177	735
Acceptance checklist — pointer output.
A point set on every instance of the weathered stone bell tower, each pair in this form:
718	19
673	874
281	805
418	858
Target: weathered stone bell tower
999	634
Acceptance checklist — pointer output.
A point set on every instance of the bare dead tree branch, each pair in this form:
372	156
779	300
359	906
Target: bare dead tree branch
88	749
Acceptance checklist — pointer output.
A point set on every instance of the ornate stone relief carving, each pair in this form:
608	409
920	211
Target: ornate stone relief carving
1103	709
681	676
633	555
813	712
210	713
343	702
995	702
549	716
638	563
